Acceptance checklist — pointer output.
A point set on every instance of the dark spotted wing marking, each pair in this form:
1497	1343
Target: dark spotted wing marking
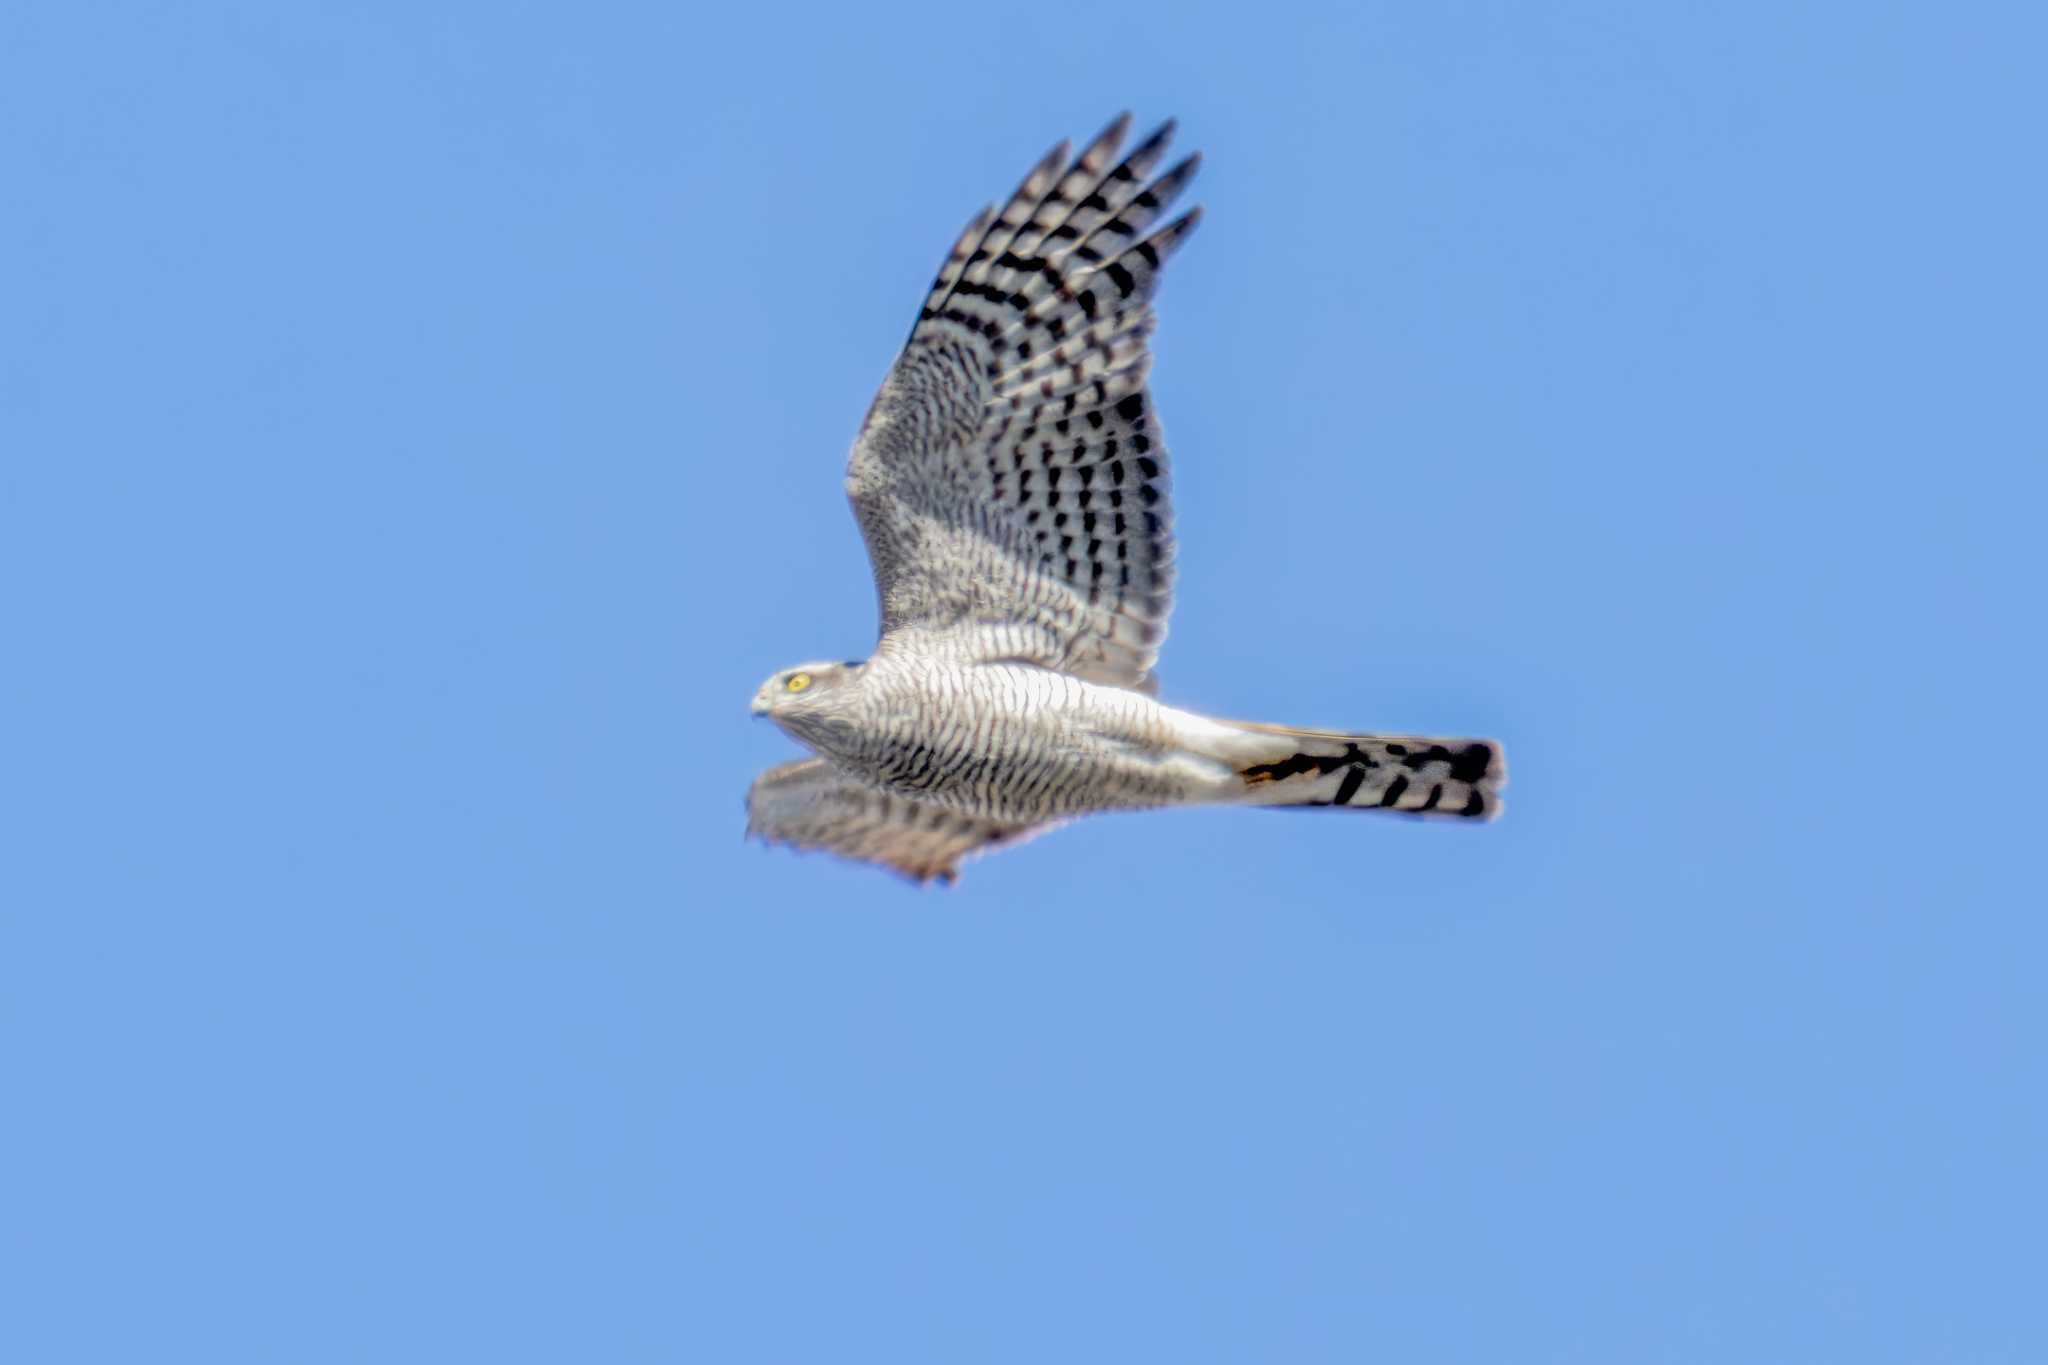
1012	470
809	804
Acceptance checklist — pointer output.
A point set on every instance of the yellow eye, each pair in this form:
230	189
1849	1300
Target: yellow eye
798	681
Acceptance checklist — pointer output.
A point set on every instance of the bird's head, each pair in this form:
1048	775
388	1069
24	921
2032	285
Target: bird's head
794	695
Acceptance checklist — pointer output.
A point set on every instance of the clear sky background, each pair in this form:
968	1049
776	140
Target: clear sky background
421	430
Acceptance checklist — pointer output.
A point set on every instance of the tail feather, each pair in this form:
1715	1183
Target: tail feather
1410	774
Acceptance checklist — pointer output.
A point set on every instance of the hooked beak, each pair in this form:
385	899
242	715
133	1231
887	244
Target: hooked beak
759	707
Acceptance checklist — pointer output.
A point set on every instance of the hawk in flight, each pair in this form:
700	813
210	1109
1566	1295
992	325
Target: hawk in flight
1011	483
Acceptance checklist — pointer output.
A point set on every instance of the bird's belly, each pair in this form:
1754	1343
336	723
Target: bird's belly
1023	744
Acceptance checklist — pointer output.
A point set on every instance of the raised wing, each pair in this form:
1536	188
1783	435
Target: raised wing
1011	471
809	804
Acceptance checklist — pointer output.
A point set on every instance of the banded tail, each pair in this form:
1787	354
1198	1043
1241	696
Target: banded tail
1405	773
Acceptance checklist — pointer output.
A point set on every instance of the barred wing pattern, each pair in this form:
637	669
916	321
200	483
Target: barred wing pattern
1011	471
809	804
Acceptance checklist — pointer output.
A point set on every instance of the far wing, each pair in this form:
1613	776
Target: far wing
810	804
1012	472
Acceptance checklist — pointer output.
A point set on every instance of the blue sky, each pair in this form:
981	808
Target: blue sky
422	432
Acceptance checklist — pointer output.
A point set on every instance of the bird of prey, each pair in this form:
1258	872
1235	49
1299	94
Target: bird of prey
1011	484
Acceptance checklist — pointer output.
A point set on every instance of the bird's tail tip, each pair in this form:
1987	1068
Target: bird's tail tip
1407	774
